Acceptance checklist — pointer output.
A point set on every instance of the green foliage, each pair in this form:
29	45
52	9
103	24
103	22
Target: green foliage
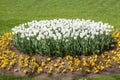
113	77
73	47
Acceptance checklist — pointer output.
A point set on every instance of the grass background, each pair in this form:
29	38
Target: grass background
8	77
15	12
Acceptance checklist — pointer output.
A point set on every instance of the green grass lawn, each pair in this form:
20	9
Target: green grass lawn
114	77
15	12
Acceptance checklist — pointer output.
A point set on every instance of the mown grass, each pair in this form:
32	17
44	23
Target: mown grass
113	77
8	77
14	12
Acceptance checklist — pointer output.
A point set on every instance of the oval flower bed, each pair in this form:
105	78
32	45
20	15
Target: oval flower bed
63	37
60	48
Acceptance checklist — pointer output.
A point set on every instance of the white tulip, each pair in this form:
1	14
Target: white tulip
22	35
38	38
92	36
75	38
66	27
28	38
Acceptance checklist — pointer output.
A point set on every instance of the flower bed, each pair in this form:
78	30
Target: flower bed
14	61
60	37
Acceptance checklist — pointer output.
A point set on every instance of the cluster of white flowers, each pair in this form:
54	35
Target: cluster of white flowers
62	29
